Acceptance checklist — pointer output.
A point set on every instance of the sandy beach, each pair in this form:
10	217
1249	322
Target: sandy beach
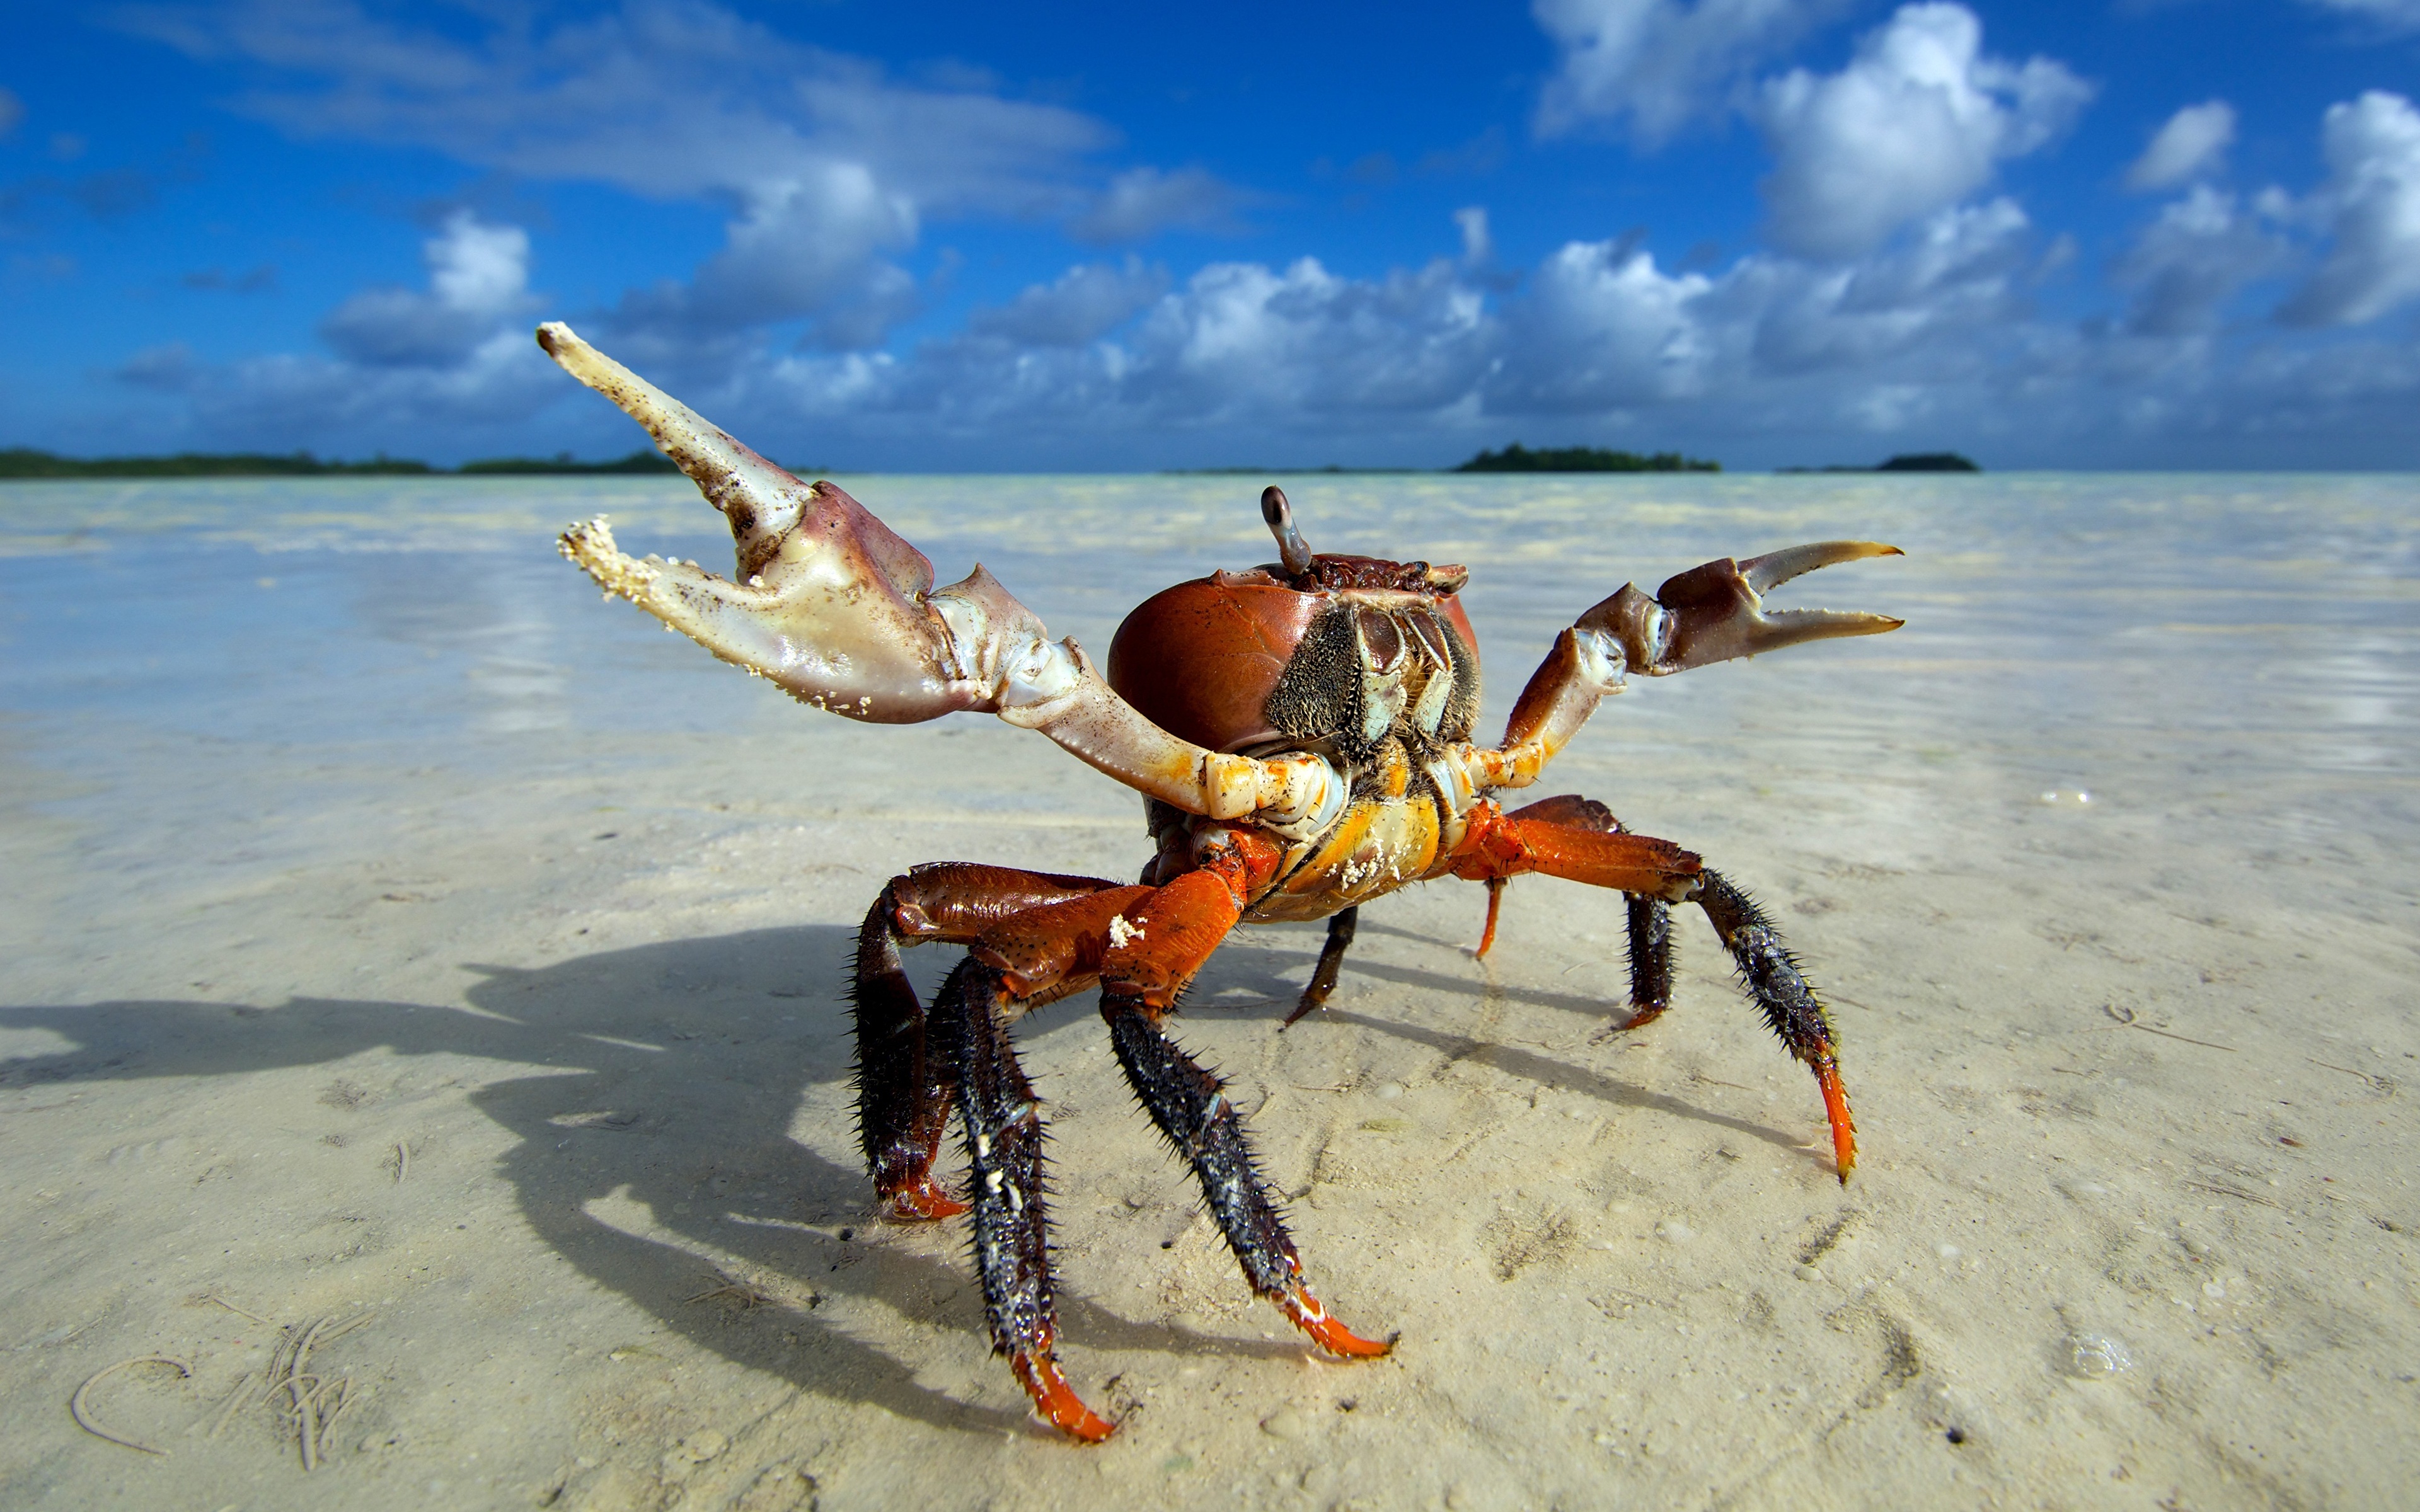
398	940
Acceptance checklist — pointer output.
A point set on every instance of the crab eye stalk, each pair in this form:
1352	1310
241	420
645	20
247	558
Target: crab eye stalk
1292	549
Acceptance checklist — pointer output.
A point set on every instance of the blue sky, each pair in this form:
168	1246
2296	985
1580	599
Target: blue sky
2153	233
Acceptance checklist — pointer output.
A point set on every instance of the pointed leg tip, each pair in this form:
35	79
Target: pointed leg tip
1343	1342
1056	1402
925	1203
1306	1313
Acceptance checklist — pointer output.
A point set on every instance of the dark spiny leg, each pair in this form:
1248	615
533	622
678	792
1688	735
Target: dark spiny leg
1331	961
1190	1106
1651	920
1011	1241
1651	959
1770	975
903	1091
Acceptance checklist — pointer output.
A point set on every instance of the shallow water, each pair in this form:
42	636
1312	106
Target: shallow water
348	837
2157	643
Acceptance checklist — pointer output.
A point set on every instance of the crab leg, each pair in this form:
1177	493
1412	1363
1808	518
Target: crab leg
905	1094
1650	921
1504	845
1143	944
1004	1130
1156	947
1341	929
1709	614
841	613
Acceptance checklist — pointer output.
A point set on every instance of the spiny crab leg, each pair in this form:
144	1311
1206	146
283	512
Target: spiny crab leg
833	606
1709	614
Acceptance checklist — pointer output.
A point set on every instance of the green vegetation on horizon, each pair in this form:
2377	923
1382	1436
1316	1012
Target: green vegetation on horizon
1904	462
1519	458
26	462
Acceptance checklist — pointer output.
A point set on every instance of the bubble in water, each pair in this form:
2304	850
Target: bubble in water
2096	1356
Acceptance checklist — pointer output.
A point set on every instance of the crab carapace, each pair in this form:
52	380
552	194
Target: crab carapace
1302	736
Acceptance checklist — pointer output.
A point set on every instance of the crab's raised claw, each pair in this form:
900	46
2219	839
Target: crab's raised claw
825	599
1716	612
833	606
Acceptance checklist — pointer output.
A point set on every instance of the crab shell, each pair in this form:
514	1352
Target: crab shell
1205	660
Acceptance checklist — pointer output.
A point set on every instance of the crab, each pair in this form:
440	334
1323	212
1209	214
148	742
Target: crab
1301	735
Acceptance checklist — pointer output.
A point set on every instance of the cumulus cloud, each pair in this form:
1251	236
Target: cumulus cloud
828	165
1478	246
2186	267
478	278
1917	122
1084	305
1603	328
1143	202
455	357
2191	143
1657	62
2371	206
2391	15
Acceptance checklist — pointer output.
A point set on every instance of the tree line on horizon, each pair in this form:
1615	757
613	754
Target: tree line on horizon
26	462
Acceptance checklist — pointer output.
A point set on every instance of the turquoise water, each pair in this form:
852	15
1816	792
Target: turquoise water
2177	646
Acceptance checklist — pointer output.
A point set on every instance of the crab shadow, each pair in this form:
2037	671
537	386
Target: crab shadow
668	1078
1279	986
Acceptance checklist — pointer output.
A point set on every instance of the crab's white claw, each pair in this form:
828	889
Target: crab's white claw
825	599
829	603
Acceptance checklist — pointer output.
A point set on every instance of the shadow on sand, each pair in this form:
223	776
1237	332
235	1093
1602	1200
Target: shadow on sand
671	1073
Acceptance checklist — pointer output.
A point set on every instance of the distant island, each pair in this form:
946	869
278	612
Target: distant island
26	462
1905	462
1519	458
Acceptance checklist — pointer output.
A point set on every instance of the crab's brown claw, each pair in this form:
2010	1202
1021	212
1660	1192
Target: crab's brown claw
828	603
1706	614
1716	612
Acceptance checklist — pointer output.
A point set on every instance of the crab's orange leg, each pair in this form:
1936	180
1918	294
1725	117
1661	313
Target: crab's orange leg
1143	944
1500	846
1650	921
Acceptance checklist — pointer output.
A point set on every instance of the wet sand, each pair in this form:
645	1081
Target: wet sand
395	932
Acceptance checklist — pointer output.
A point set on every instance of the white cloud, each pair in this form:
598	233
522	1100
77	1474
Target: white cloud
2190	145
455	357
1917	122
1658	62
1958	277
1143	202
1478	247
2189	263
1603	328
828	165
2392	15
1243	337
1085	303
2371	203
478	280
